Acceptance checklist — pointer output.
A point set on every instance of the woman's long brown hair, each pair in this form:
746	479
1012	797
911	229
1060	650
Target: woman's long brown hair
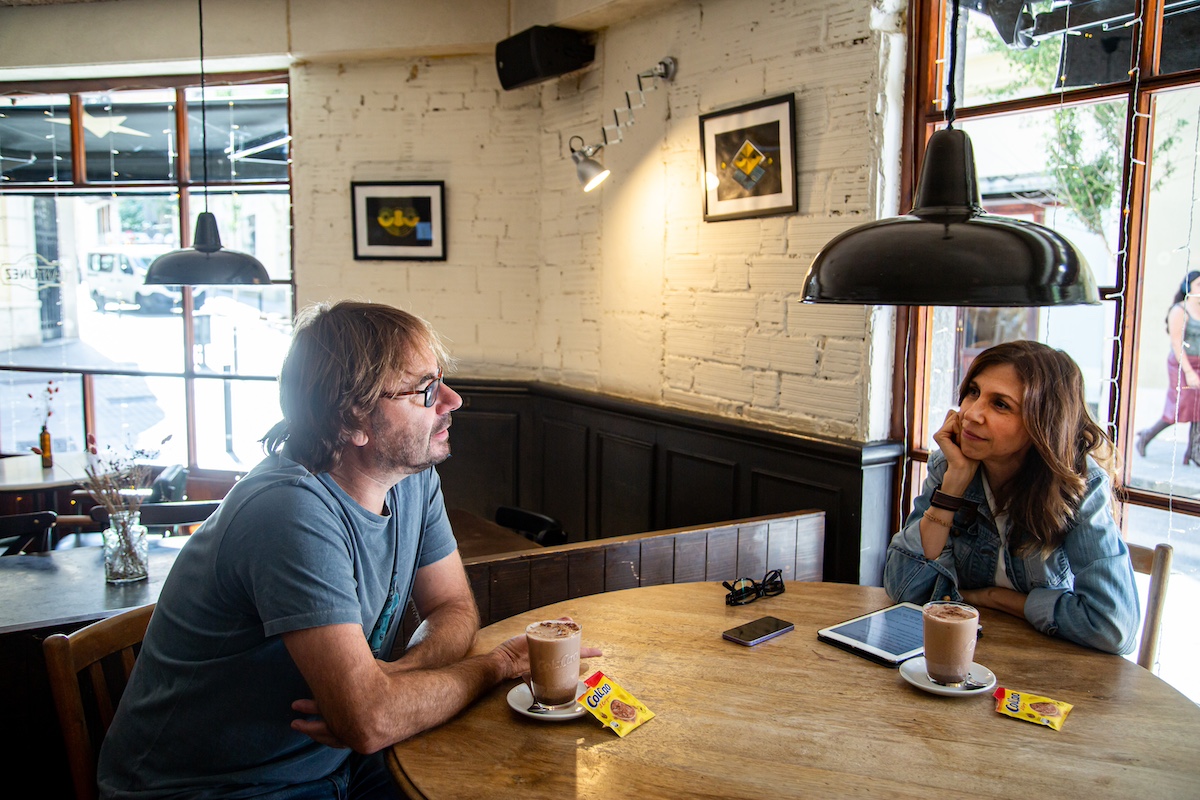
1043	498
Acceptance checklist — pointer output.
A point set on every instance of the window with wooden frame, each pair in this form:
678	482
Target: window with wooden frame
1085	117
98	179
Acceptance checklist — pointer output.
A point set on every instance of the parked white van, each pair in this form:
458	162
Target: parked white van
119	276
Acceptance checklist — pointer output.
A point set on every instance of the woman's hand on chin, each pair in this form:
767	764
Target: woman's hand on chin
959	469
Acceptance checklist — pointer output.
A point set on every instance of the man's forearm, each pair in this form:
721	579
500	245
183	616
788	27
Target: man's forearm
377	714
431	697
442	638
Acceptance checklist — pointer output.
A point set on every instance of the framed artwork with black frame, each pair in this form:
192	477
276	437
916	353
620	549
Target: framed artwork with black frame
404	220
749	155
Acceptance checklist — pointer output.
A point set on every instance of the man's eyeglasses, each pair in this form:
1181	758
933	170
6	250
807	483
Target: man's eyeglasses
430	392
745	590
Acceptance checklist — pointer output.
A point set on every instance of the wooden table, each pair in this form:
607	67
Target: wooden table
794	717
481	537
64	587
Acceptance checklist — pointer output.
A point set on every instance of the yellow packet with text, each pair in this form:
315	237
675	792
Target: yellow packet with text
1031	707
612	705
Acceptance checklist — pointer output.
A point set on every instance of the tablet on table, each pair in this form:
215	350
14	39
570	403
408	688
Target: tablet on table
888	636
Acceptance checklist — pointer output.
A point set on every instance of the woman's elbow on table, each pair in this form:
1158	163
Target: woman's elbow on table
1106	635
1111	629
1116	633
907	578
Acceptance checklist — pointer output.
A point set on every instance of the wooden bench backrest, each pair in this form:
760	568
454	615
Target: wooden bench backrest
512	583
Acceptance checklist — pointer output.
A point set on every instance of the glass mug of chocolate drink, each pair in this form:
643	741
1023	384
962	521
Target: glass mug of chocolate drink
554	661
950	632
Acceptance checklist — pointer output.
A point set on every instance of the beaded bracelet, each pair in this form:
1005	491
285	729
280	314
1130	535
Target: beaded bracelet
940	523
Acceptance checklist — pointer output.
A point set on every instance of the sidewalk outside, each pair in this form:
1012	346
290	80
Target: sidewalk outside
1162	470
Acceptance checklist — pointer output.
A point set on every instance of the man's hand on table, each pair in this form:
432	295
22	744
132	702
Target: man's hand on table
511	657
517	650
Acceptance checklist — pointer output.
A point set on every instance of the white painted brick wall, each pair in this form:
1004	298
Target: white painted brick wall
624	290
784	354
677	373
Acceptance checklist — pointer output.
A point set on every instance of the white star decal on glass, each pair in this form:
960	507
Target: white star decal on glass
102	126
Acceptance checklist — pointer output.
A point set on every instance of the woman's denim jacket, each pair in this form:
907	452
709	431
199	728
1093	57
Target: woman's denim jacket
1084	592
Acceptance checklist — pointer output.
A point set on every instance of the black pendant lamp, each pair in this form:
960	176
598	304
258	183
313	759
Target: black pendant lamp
947	251
206	262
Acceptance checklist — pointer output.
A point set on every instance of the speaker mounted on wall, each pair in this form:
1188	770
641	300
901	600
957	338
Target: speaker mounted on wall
541	53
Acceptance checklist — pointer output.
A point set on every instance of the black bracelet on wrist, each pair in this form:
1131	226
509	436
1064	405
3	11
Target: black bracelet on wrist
947	502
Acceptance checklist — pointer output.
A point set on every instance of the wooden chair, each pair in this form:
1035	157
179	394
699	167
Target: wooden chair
93	662
27	533
1157	564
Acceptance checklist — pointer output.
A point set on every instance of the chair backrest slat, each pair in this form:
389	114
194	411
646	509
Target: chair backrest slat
1156	563
128	656
104	704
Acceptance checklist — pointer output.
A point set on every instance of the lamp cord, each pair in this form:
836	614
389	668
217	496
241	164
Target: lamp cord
953	67
203	107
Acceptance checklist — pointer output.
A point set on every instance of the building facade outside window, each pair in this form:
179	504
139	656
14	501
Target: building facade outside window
96	184
1085	117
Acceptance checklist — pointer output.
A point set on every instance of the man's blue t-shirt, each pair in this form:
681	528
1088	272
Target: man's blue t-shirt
208	708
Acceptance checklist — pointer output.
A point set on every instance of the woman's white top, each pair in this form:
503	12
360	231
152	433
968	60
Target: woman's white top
1002	526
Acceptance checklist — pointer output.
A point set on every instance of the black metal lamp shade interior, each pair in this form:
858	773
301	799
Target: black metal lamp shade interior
948	252
206	262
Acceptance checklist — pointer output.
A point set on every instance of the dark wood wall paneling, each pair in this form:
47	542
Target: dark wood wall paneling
564	450
605	467
508	585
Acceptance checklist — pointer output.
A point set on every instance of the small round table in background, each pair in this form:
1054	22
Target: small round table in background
24	474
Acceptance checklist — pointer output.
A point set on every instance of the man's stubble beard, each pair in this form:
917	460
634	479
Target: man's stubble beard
403	459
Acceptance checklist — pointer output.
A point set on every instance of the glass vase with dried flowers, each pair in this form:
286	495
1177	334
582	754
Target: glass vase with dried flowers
117	481
46	397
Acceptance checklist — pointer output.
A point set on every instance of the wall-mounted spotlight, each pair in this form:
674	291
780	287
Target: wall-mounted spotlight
592	173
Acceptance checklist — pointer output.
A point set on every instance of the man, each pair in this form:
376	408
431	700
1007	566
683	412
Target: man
266	655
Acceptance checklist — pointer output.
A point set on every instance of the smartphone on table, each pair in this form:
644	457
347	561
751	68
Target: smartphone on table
757	631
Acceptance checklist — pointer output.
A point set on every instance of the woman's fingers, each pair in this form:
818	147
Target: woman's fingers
948	433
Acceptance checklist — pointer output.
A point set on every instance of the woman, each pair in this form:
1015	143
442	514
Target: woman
1183	369
1016	511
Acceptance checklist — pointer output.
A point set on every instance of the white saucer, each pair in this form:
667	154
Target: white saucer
519	700
914	672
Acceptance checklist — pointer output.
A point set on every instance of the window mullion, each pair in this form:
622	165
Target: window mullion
78	156
1130	270
1131	254
1150	22
183	174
